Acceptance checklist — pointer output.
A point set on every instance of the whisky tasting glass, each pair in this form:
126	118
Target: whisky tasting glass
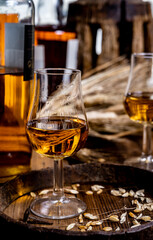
138	100
57	128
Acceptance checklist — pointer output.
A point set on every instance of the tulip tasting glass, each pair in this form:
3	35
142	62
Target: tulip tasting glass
57	128
138	101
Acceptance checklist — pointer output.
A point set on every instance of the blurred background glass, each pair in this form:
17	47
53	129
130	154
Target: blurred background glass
55	44
51	12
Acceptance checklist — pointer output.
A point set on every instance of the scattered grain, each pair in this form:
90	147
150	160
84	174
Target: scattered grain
135	222
115	193
75	186
89	228
148	200
70	226
99	191
45	191
114	218
107	229
140	215
140	193
80	218
101	160
123	218
88	224
96	187
72	191
131	193
82	227
122	190
132	215
32	194
146	218
137	210
90	216
95	223
89	192
126	194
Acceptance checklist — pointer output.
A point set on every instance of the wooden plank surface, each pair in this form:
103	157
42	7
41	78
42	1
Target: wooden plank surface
101	205
15	199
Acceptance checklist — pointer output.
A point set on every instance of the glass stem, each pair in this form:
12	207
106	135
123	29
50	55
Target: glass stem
58	180
147	137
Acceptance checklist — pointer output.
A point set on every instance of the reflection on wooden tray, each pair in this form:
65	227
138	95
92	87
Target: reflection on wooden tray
16	196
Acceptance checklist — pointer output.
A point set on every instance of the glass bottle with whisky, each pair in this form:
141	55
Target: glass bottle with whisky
16	74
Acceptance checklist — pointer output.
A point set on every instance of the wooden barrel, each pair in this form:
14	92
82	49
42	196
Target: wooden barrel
126	25
15	199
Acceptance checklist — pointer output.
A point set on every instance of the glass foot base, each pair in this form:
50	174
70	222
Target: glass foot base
142	159
53	209
146	159
141	162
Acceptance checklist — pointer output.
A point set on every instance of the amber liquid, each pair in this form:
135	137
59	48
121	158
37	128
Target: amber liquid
139	106
15	150
57	137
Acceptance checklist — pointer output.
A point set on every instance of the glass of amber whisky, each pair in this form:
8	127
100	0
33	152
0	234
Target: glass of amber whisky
138	100
57	128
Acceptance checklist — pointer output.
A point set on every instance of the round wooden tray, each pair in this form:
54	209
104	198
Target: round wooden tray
15	199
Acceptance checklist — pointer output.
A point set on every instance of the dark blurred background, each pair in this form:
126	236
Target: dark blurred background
86	33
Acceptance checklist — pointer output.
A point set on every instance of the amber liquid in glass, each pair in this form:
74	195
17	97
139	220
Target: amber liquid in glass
139	106
57	137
